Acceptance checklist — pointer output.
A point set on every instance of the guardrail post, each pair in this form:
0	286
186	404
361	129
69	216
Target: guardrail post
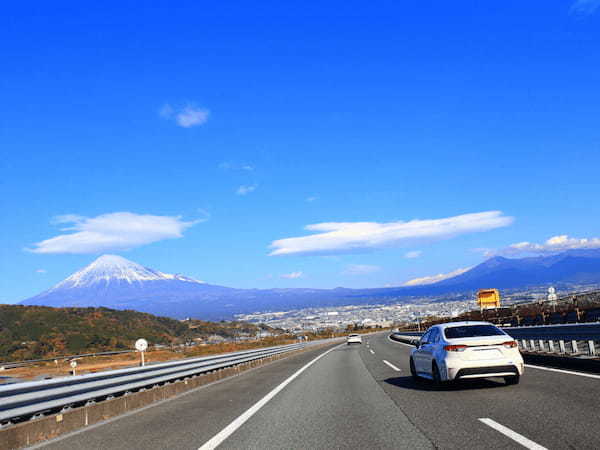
591	348
561	346
574	346
523	344
532	344
551	345
541	341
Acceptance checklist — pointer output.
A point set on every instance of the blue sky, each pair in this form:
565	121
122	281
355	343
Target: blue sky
203	139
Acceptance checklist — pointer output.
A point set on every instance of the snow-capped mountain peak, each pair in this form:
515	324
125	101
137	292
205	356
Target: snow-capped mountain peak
114	268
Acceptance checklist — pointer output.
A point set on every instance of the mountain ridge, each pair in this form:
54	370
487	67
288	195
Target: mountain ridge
115	282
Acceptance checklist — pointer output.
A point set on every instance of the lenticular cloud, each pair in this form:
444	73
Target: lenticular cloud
114	231
346	237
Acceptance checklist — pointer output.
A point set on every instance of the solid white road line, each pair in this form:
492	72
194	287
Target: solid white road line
392	366
527	443
372	352
233	426
570	372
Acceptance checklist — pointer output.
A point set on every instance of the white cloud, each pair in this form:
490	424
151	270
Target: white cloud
187	116
312	198
292	275
113	231
190	117
40	271
346	237
226	165
413	254
360	269
245	189
584	7
553	245
435	278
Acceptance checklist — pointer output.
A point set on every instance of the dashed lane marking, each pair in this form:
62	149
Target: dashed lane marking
392	366
527	443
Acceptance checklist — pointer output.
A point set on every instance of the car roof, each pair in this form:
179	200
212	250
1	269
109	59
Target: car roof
458	324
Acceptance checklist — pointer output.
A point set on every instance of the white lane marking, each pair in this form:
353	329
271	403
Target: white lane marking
570	372
372	352
401	343
233	426
527	443
392	366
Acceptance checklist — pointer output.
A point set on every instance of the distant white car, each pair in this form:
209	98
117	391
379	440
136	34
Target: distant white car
354	339
462	350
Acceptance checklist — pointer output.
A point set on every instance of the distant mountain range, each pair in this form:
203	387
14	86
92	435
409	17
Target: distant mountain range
115	282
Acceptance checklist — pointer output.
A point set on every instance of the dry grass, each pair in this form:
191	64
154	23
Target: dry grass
102	363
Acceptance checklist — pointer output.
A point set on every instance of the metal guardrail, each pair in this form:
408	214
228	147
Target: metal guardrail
36	398
579	339
406	338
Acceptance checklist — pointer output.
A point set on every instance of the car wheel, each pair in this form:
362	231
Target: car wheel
413	371
514	379
435	373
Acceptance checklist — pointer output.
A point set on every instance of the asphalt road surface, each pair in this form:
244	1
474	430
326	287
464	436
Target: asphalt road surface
360	396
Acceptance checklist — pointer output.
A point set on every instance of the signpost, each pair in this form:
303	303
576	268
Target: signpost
141	345
488	298
73	366
552	297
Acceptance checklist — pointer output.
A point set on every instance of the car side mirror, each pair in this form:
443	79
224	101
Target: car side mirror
417	344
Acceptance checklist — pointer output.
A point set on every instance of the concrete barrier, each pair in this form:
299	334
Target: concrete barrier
49	427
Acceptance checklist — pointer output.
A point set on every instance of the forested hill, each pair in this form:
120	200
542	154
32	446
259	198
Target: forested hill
30	332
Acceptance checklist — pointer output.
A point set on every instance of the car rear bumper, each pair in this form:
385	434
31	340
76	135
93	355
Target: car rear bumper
482	372
502	369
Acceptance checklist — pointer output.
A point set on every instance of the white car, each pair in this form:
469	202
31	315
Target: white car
354	339
462	350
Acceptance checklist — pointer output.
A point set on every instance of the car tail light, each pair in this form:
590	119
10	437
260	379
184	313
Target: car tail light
455	348
510	344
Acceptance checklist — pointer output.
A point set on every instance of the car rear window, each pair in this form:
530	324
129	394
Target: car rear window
466	331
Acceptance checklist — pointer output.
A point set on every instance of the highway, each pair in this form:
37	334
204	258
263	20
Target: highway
359	396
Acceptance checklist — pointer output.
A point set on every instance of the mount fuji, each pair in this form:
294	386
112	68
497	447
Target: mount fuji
115	282
110	269
118	283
